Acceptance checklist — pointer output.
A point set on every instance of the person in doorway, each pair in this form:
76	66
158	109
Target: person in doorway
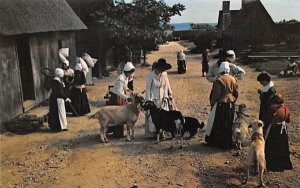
118	95
181	62
266	92
78	94
224	55
205	62
57	118
223	98
158	89
277	145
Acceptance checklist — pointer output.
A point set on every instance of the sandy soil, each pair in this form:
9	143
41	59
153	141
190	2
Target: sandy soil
76	158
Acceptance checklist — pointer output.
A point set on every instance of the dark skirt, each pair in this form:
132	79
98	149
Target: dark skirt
277	150
204	67
221	133
181	66
118	131
80	101
53	117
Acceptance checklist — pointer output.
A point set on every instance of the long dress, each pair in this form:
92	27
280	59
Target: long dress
79	98
204	63
157	89
57	119
277	146
219	128
265	115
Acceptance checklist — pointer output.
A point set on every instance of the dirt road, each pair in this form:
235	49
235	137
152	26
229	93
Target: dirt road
76	158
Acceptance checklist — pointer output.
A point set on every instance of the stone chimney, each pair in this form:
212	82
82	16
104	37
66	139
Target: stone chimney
226	6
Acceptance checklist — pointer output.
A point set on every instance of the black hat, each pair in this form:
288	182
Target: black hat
222	54
162	65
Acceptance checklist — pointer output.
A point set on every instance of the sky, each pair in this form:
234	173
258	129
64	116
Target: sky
207	11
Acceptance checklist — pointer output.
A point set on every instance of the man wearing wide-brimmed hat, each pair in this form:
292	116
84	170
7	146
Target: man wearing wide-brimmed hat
224	55
158	90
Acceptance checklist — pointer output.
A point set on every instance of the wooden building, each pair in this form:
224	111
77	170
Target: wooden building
31	33
251	26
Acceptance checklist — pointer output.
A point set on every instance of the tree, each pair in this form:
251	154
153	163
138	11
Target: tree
139	24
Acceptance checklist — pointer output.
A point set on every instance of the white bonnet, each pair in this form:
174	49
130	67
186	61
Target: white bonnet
66	62
224	67
59	72
128	67
78	66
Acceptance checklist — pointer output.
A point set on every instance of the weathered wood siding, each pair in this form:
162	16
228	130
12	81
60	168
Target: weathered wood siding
10	83
44	53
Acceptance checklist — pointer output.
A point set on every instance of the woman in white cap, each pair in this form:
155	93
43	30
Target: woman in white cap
57	119
158	89
118	94
78	93
68	80
223	97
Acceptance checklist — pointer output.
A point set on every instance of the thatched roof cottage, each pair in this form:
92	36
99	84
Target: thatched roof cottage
31	33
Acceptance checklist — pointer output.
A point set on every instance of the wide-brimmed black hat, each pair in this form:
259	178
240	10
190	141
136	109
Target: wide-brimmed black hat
162	65
222	54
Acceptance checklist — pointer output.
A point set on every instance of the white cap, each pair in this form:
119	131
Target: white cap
128	67
59	72
66	62
224	67
78	66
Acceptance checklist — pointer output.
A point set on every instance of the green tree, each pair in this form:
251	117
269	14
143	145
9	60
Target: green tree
139	24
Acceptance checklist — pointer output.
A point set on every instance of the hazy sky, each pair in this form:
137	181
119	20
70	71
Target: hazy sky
206	11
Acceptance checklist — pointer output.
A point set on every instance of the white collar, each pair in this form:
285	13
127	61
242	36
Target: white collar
267	87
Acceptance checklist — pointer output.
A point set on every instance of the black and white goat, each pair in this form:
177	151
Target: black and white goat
170	121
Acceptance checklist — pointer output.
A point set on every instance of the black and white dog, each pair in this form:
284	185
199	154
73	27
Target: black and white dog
170	121
191	125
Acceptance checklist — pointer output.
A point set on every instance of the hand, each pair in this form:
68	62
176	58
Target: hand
68	100
259	91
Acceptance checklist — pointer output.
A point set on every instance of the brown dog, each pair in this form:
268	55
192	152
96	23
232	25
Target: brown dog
256	155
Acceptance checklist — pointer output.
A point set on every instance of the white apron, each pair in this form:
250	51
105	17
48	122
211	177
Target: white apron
62	113
211	119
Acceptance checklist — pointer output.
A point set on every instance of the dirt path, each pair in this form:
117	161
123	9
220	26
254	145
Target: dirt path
76	158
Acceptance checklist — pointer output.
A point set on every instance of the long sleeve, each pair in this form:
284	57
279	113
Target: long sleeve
212	74
237	71
168	90
119	89
148	87
57	90
216	92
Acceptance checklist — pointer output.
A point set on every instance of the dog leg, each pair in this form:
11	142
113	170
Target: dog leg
261	173
247	177
181	142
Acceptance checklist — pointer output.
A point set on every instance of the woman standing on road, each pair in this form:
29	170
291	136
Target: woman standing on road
266	92
277	144
205	61
223	97
57	119
158	90
118	94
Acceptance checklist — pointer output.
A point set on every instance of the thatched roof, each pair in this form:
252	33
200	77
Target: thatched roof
35	16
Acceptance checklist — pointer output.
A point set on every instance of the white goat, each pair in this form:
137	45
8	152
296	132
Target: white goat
115	115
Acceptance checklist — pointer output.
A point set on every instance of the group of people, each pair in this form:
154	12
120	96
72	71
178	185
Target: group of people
68	95
273	112
224	75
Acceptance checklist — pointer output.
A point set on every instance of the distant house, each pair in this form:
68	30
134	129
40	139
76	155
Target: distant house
31	33
251	26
